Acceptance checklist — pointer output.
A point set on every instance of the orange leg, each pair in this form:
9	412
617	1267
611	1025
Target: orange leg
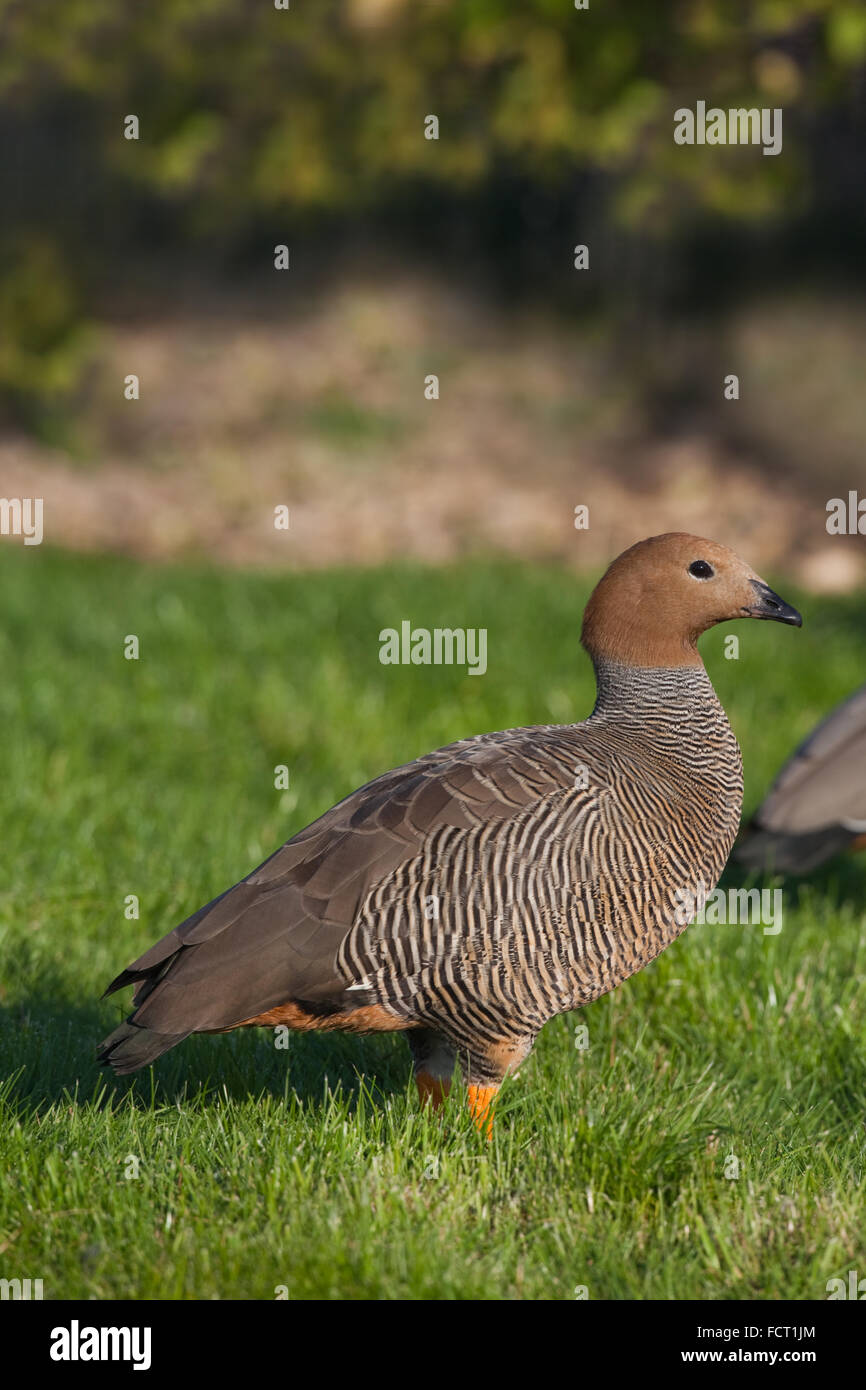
431	1089
481	1106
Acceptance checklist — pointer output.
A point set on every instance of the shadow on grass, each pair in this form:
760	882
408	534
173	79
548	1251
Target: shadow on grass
51	1053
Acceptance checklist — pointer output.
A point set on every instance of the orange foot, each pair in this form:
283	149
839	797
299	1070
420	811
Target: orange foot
432	1091
481	1106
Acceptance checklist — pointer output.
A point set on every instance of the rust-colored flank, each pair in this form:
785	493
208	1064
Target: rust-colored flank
371	1018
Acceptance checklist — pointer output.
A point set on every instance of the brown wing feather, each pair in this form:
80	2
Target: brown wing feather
275	936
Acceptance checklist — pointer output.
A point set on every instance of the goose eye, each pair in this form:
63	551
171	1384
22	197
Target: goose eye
701	570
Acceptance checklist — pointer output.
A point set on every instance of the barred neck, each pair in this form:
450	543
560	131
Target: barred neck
641	693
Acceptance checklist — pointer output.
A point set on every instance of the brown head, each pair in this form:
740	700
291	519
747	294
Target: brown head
656	599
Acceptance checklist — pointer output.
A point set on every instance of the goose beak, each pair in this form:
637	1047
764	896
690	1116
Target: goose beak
769	605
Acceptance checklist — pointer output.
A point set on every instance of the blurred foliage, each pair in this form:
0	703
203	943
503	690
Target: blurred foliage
44	343
255	120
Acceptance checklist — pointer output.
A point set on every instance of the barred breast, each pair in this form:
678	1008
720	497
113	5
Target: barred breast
490	931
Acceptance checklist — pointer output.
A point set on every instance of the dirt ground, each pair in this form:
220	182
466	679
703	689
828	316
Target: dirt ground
246	406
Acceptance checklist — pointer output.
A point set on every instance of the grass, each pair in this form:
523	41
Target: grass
311	1170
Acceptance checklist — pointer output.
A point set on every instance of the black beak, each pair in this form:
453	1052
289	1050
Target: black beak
770	606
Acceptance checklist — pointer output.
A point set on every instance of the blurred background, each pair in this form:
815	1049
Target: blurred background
134	790
408	256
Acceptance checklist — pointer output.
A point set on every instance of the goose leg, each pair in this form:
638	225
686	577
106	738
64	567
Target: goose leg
435	1060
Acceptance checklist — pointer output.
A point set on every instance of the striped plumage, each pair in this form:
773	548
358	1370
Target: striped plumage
555	891
473	894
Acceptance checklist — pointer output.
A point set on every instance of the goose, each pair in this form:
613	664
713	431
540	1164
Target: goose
471	895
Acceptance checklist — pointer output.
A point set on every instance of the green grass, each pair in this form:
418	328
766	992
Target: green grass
312	1168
